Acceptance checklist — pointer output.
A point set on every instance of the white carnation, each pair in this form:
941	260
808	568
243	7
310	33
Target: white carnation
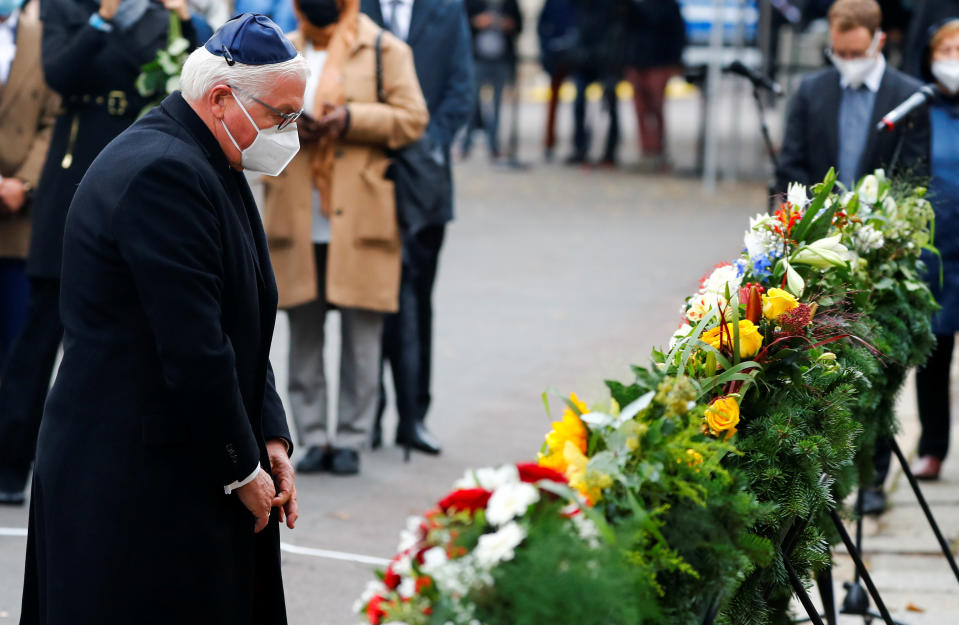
488	477
433	560
721	278
868	239
407	587
372	589
412	535
499	546
681	333
510	501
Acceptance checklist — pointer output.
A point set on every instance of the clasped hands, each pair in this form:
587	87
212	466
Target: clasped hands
13	195
262	494
332	123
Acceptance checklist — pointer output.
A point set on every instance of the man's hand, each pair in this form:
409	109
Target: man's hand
334	122
257	496
13	195
108	8
308	129
282	470
483	20
179	7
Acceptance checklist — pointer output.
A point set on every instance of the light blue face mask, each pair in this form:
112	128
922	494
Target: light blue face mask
9	6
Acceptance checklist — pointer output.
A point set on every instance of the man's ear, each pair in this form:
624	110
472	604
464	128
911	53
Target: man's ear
217	98
882	41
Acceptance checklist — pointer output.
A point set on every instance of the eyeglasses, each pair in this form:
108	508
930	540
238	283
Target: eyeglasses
288	118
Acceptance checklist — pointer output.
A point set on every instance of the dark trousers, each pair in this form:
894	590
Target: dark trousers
14	291
581	134
26	379
495	74
408	334
649	98
932	391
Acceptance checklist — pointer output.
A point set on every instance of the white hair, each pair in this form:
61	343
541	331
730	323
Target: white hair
204	70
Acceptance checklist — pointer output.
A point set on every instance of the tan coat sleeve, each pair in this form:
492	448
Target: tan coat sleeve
32	165
400	120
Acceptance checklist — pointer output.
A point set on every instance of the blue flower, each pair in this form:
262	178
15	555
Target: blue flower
740	265
762	266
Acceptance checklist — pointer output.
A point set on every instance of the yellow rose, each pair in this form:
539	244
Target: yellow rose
750	340
723	416
776	302
570	429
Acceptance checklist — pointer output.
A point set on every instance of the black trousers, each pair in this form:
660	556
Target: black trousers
932	391
408	334
26	379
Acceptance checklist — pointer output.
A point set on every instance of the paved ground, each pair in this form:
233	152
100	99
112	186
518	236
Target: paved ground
551	277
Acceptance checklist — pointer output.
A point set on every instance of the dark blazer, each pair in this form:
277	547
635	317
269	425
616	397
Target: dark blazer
506	8
811	142
656	34
94	72
442	53
165	393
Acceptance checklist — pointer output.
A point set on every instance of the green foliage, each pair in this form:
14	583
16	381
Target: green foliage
161	76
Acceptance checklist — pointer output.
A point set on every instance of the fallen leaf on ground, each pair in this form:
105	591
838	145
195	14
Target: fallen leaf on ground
912	607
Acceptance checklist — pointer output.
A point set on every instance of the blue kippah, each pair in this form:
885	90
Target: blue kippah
251	39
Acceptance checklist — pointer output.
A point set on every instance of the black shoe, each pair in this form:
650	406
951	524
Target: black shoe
419	439
344	461
13	487
376	436
316	460
873	501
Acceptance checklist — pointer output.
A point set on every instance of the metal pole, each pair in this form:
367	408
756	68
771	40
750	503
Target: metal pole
800	591
861	568
925	508
713	75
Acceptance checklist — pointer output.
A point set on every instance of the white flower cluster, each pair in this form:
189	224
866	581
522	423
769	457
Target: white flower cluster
759	240
867	239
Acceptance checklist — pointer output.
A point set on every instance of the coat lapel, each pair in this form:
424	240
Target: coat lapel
376	12
26	62
422	11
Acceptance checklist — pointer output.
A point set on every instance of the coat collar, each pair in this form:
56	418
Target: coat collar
176	107
367	30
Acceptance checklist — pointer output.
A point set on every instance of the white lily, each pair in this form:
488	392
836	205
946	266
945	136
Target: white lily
796	195
823	254
794	282
869	190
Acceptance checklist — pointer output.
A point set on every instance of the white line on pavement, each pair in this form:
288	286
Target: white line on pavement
287	547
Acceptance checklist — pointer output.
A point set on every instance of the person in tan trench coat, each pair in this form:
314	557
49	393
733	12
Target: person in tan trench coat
27	111
331	223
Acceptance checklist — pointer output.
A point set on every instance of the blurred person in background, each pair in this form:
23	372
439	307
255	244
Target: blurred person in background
27	110
280	11
558	47
495	25
438	33
602	25
208	15
941	65
831	123
925	15
92	54
654	54
332	223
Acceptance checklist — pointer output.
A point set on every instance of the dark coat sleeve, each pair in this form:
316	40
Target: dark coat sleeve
68	42
794	154
915	159
168	232
274	417
456	104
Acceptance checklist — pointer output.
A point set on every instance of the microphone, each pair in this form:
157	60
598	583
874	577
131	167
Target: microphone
758	80
904	110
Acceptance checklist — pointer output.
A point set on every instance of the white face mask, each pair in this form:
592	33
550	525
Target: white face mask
855	71
271	151
947	73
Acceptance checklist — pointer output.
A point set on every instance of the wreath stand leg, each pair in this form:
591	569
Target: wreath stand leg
943	544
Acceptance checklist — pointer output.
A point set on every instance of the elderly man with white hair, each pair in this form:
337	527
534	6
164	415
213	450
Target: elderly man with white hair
163	470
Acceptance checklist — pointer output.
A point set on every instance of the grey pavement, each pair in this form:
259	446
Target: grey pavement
552	277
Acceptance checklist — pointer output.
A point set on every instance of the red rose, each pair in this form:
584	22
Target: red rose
373	610
466	500
532	473
391	579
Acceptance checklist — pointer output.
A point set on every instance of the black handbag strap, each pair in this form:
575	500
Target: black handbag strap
380	93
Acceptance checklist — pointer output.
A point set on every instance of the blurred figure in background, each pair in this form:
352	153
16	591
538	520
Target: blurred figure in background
495	25
941	65
654	54
332	224
602	25
558	45
280	11
92	54
926	14
208	15
438	33
27	109
831	123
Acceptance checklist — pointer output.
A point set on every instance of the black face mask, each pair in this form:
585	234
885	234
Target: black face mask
320	12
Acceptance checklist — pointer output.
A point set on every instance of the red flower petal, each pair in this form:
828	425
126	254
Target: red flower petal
466	500
532	473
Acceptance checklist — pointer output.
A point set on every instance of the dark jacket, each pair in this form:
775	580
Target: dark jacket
656	34
165	394
94	72
811	142
440	39
558	35
505	8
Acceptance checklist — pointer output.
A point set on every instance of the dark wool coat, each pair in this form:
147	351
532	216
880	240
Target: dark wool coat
165	394
94	72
